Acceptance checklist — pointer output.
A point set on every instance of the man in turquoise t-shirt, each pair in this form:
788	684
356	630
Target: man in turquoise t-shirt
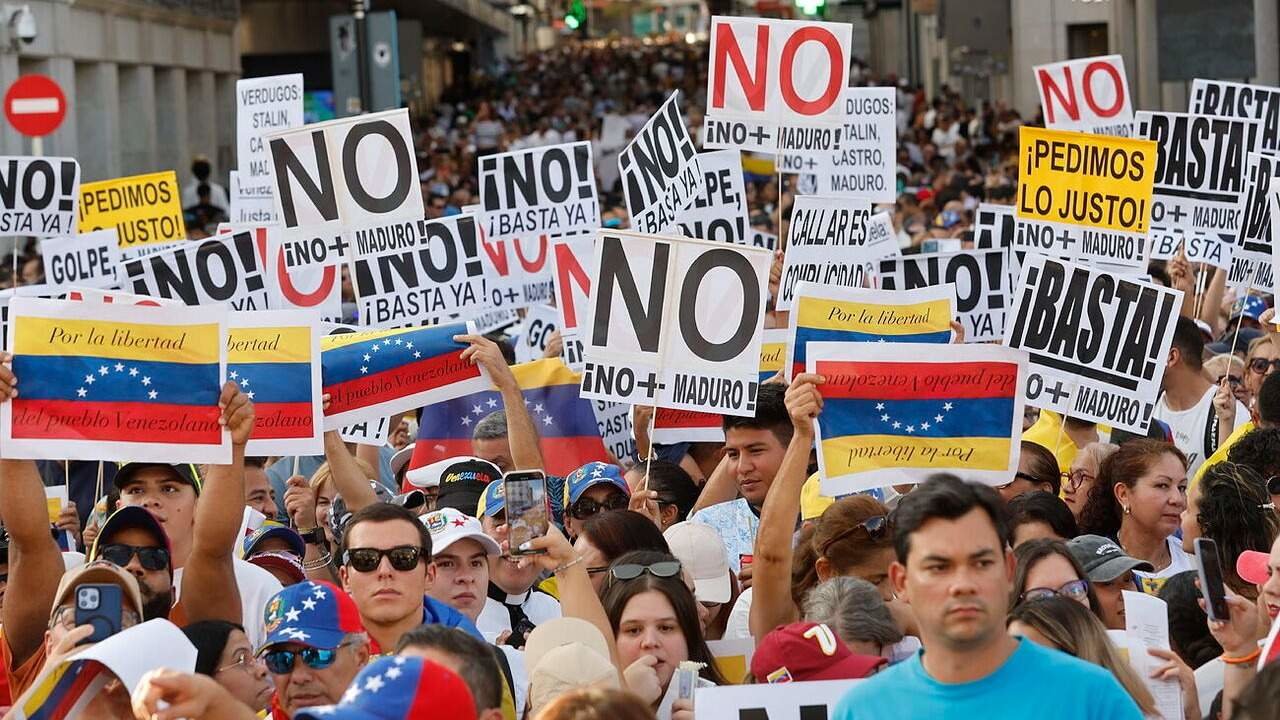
954	570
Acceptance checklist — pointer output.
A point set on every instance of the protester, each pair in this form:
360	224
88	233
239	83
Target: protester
1260	451
1046	568
1187	403
675	490
225	654
1038	514
590	489
474	661
701	552
400	688
854	609
258	493
1037	470
1231	507
1110	572
277	549
952	566
564	655
609	535
515	597
1082	474
1138	500
596	704
804	651
1263	570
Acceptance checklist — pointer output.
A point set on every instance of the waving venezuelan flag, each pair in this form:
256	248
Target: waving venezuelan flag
890	416
829	314
115	382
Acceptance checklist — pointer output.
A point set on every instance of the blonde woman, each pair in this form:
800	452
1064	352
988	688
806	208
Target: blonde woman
1083	473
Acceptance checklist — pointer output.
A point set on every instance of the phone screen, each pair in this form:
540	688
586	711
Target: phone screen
528	513
100	606
1210	570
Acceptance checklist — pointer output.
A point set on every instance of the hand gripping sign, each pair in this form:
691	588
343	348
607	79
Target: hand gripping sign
675	322
1098	343
340	175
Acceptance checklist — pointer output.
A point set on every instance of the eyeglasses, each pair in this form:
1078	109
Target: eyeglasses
1233	380
586	507
1075	479
244	660
280	662
1076	590
876	528
629	571
66	617
151	558
403	558
1260	365
1273	485
1019	476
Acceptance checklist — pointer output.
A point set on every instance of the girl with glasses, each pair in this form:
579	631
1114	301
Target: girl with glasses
1046	568
1261	360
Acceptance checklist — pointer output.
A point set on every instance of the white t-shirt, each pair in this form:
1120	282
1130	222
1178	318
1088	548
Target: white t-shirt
1179	561
495	619
738	627
1188	427
257	586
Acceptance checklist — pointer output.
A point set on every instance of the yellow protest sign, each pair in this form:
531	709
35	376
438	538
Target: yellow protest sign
1096	181
144	209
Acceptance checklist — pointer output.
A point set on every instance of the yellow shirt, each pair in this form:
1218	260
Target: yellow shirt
1224	447
1048	433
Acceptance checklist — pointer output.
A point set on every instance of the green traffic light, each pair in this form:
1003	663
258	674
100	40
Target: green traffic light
571	22
810	7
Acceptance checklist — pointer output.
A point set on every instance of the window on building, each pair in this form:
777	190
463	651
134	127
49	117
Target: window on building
1086	40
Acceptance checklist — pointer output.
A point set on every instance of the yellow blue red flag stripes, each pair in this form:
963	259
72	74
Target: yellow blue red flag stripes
274	355
891	415
63	692
830	314
115	382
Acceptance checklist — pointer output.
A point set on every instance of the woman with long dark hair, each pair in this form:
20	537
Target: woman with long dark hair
1230	505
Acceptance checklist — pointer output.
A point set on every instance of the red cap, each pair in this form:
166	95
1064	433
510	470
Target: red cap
805	651
1251	566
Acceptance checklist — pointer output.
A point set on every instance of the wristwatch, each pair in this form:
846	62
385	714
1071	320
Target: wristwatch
314	536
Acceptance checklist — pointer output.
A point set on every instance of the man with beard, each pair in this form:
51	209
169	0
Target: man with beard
131	538
955	569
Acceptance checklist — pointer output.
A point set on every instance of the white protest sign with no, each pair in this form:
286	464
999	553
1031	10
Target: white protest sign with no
263	105
1199	247
356	172
85	260
221	269
813	700
38	195
827	244
660	170
675	322
573	261
367	432
978	276
544	190
1086	95
1098	343
719	212
1232	99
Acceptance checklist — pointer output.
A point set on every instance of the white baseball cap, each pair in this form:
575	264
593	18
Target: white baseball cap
699	549
447	526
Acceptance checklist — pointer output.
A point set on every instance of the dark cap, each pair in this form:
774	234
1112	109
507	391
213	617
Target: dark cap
186	472
463	483
1103	559
130	516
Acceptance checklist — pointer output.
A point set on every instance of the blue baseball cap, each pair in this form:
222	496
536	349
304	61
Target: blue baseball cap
493	501
593	473
274	530
399	688
316	614
1251	306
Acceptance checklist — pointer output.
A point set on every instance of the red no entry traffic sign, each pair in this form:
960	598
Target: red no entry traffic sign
34	105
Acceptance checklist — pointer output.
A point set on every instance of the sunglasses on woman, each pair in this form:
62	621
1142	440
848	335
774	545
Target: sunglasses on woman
150	558
1260	365
403	558
1076	590
1233	380
876	528
280	662
631	571
586	507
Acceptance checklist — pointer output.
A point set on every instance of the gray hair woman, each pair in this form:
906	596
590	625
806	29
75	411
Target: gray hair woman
855	611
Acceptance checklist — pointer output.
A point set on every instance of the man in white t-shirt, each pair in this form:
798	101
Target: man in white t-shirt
1188	403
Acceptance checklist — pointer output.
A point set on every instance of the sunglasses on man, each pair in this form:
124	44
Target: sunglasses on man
150	558
403	558
586	507
281	662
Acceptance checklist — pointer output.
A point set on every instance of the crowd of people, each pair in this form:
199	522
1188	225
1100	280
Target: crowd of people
378	588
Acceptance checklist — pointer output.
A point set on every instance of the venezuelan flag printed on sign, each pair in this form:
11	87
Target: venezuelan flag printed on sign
566	423
274	356
115	382
376	373
890	416
829	314
63	692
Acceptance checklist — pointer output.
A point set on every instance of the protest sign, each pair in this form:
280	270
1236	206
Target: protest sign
882	239
766	73
979	278
115	382
540	321
8	294
733	657
432	269
221	269
762	239
891	414
1274	207
1098	342
813	700
340	175
251	205
274	356
487	321
833	314
312	288
1202	170
1255	238
660	171
719	212
573	260
1089	95
1199	247
144	209
373	431
544	190
675	322
382	372
38	195
613	420
826	245
1098	183
263	105
865	165
1231	99
88	260
1246	275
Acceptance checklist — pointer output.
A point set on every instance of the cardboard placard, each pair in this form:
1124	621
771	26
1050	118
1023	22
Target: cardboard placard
251	205
274	356
1232	99
865	165
1098	343
540	321
979	278
38	195
340	175
814	700
675	322
88	260
221	269
543	190
614	422
144	209
719	212
1199	247
1088	95
373	431
826	245
661	173
1256	236
263	105
574	263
